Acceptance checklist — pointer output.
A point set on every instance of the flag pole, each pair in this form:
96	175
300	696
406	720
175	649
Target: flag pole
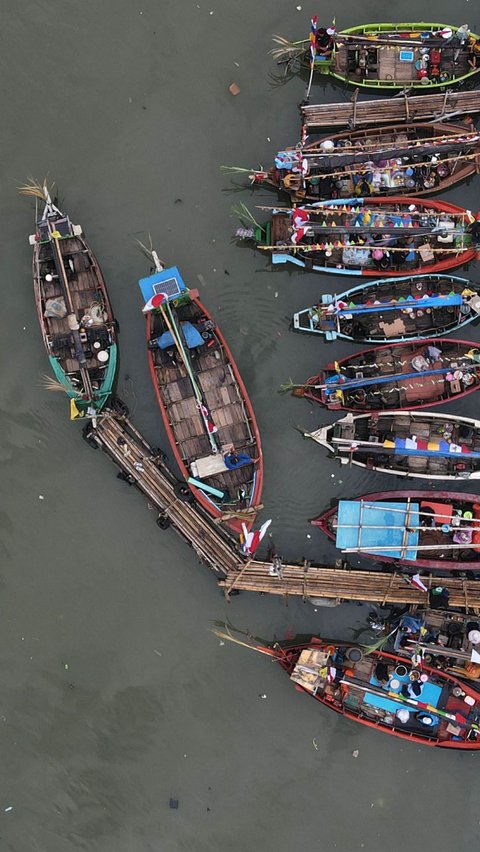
313	53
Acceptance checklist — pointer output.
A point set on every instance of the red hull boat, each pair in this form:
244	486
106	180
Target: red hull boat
408	375
429	530
383	691
205	408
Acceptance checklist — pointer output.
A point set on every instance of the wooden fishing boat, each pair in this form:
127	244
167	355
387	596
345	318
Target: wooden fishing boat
393	310
417	159
426	530
73	308
397	376
388	56
382	690
372	688
204	405
368	236
426	445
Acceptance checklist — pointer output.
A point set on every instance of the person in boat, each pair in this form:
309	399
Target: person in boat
411	690
382	672
474	57
438	597
324	41
474	230
234	460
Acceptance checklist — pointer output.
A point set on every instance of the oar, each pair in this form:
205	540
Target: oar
170	323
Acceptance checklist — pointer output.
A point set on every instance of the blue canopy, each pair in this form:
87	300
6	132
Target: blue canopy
192	336
370	525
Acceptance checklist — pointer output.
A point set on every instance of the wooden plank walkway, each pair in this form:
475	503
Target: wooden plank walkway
117	436
358	113
145	469
344	584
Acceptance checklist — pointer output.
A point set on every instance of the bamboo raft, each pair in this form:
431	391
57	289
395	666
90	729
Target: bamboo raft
342	584
143	467
355	113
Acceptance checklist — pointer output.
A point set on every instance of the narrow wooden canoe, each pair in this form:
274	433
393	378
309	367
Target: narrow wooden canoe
426	445
443	528
73	309
397	376
368	236
424	56
204	405
372	689
393	310
413	159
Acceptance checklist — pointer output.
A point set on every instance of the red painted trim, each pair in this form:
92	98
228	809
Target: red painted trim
429	564
315	380
288	667
235	525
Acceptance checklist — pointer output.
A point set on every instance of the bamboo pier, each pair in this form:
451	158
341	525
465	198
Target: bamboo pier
341	583
143	467
405	108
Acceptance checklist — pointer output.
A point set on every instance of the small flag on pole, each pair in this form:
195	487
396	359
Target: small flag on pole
74	410
416	581
154	302
253	539
208	420
313	38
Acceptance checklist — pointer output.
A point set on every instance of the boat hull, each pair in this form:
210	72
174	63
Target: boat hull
313	259
289	655
87	285
416	385
202	498
323	522
371	450
305	321
291	182
333	66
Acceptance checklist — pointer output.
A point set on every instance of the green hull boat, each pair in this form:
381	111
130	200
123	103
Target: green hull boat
421	55
74	310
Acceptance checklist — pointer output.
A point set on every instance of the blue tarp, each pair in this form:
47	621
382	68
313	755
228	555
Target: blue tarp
409	302
378	515
430	695
191	334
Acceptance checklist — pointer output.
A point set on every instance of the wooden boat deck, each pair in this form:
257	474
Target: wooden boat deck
200	455
357	113
86	287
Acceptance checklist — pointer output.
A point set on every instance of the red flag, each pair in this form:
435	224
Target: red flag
253	539
416	581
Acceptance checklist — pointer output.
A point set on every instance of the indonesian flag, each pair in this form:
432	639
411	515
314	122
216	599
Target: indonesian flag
299	219
416	581
313	37
208	420
154	302
253	539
